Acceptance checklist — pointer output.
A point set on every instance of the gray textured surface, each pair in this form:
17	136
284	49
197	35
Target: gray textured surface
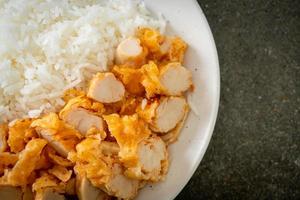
255	150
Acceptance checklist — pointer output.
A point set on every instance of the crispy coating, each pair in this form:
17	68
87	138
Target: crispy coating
61	136
129	131
16	135
26	164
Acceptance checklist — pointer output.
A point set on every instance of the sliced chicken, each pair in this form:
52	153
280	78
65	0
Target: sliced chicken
10	193
175	79
61	136
3	137
49	194
103	171
106	88
82	120
173	134
172	79
129	50
90	162
84	103
153	160
120	186
62	149
86	191
169	112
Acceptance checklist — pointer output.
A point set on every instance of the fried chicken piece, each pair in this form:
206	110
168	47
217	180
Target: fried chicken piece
20	173
82	120
168	114
129	131
175	79
105	88
119	185
130	52
152	160
173	134
61	136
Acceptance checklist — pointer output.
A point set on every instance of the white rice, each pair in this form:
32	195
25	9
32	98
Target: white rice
48	46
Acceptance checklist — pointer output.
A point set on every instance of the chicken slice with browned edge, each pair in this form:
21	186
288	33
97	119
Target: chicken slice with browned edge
61	136
106	88
168	113
152	160
175	79
82	120
129	50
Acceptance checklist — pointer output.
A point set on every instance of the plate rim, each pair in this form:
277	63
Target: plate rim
215	107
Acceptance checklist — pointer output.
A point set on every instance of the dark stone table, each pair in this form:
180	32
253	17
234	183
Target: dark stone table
255	149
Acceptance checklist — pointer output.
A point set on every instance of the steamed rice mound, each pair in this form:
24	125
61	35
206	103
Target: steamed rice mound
50	46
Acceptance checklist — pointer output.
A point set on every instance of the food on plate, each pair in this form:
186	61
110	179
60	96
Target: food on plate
128	131
119	185
169	80
61	136
152	160
22	170
92	103
105	88
169	112
130	52
77	113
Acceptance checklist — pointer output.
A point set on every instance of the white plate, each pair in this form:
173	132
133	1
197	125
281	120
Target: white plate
187	20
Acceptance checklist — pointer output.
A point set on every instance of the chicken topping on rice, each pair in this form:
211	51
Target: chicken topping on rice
109	139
